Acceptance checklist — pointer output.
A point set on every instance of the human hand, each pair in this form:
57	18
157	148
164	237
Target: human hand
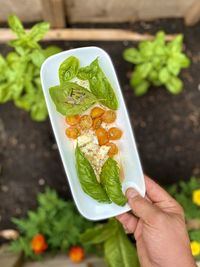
159	228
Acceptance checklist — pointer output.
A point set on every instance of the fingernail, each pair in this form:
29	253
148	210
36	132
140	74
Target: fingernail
131	193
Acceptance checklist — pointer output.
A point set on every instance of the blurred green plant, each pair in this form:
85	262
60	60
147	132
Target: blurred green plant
157	62
20	69
55	219
118	249
188	195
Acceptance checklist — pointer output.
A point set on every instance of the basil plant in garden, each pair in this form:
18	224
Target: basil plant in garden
20	69
158	63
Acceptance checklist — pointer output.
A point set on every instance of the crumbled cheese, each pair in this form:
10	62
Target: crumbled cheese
83	83
97	155
85	139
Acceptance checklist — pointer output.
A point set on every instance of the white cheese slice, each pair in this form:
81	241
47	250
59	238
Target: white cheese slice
97	155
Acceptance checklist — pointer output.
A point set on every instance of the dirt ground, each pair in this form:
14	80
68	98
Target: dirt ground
167	130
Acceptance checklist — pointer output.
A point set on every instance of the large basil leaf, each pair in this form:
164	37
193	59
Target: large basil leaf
51	50
110	180
132	55
119	251
174	85
71	99
100	233
38	31
88	179
16	25
99	84
68	69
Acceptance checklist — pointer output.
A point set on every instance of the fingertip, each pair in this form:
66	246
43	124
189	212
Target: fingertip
120	216
131	193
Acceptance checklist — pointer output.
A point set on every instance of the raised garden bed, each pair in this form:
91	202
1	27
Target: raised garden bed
166	127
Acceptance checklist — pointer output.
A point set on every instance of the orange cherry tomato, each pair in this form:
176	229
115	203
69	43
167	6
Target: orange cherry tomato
72	132
96	123
72	120
113	149
114	133
97	112
85	122
102	136
109	116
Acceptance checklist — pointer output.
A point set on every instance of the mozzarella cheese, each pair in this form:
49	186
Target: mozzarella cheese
97	155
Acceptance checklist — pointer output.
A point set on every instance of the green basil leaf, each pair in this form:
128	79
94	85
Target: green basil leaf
51	50
160	38
71	99
153	76
12	57
136	78
146	48
182	60
132	55
173	66
5	93
110	180
99	84
141	88
175	45
38	31
143	69
37	57
87	178
24	102
39	111
100	233
16	26
119	251
164	75
174	85
68	69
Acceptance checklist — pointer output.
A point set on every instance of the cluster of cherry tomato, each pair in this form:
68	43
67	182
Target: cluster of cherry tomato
94	121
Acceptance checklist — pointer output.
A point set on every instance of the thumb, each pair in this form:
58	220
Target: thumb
140	206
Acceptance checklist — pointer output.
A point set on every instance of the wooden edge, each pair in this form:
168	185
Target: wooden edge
87	35
53	12
192	15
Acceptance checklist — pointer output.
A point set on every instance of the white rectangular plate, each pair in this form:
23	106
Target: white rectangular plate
133	175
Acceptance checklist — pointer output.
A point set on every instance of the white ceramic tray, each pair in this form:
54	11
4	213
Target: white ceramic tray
133	175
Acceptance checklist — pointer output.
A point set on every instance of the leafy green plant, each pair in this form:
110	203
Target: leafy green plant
20	69
57	220
118	249
188	195
158	63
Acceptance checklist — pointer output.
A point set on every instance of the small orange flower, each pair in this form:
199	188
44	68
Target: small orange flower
76	254
38	244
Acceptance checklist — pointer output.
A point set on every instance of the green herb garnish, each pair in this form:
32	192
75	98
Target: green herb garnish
71	99
110	180
99	84
88	178
158	63
68	69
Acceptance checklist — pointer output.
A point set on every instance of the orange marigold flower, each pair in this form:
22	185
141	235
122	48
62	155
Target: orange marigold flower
38	244
76	254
